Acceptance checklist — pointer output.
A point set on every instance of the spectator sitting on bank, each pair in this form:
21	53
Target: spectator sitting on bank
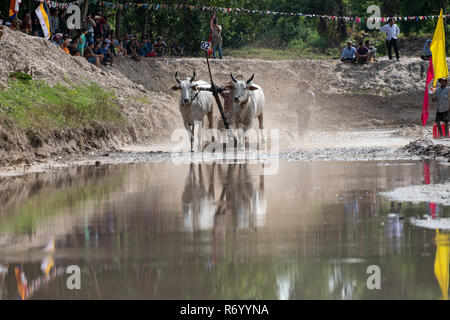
160	47
111	45
114	44
97	51
26	26
105	50
426	51
372	51
362	54
73	46
65	44
15	24
90	56
177	49
349	53
37	29
57	39
121	51
147	47
135	48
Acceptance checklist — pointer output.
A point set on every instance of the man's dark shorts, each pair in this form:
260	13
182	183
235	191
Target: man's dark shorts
442	116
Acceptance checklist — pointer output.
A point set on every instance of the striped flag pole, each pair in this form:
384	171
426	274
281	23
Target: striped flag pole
43	14
14	8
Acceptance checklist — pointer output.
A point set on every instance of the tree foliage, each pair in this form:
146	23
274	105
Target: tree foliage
243	29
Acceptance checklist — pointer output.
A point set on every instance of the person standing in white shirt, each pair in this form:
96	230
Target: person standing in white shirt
392	31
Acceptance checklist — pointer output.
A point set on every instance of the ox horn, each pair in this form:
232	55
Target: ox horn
193	77
176	77
251	79
232	78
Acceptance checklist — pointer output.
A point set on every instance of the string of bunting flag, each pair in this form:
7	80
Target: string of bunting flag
154	6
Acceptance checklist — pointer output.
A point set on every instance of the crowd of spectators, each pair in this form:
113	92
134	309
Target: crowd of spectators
95	40
364	54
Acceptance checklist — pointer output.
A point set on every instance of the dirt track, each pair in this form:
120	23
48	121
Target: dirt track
377	96
381	96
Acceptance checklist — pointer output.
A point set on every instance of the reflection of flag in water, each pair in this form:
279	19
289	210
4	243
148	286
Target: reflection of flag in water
426	176
441	263
21	280
14	8
43	15
47	265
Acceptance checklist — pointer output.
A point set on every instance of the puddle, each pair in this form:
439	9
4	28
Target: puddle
220	231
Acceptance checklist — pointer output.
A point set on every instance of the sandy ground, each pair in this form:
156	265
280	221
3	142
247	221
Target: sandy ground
341	146
437	193
434	224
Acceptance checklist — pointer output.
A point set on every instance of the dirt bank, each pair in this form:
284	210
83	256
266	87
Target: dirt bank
376	96
427	149
146	113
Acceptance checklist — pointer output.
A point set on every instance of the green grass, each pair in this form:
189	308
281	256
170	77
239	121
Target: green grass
36	104
274	54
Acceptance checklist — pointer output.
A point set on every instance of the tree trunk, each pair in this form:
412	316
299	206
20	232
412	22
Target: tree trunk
84	11
118	13
144	27
342	27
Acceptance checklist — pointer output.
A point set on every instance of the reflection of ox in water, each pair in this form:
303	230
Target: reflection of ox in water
242	196
245	197
198	202
194	105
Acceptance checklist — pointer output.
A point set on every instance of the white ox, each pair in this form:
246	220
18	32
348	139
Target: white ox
248	104
194	105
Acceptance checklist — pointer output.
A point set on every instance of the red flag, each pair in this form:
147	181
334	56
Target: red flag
426	101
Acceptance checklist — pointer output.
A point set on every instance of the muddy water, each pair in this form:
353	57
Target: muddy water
160	231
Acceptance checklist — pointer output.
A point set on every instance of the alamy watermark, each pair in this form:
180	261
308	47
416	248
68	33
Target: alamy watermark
374	280
228	146
374	21
73	282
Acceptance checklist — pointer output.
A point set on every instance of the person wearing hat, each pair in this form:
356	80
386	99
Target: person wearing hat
441	96
426	51
216	39
160	47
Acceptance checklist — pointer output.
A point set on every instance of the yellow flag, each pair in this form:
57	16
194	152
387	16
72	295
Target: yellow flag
438	51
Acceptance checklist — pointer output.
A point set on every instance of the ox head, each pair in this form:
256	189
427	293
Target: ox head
187	87
241	89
